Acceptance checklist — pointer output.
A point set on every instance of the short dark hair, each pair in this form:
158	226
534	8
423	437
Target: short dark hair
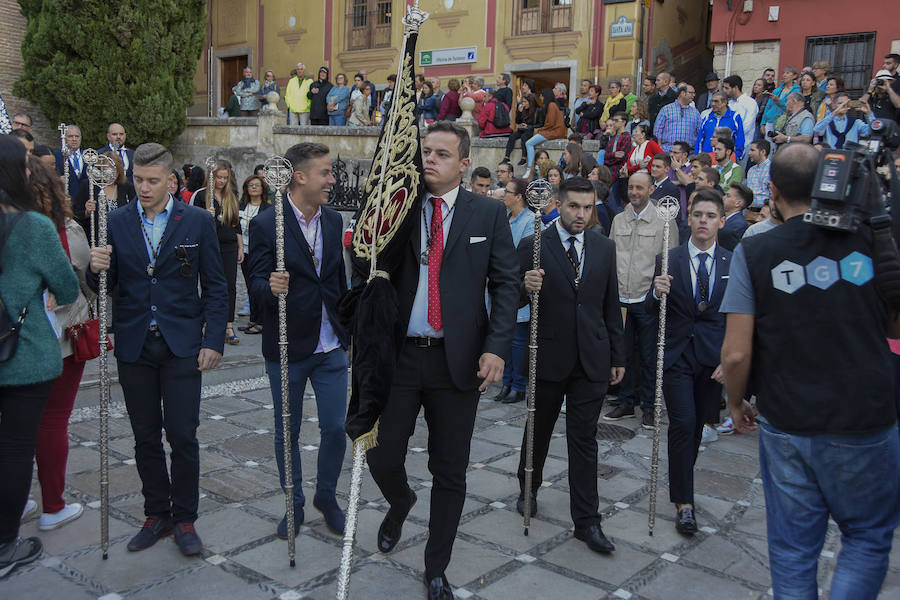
734	81
685	147
703	158
392	77
894	57
793	172
763	145
650	78
621	115
712	174
27	116
709	195
461	134
727	142
744	192
576	184
22	134
576	137
42	150
258	167
664	157
300	154
480	172
505	77
520	185
505	166
152	154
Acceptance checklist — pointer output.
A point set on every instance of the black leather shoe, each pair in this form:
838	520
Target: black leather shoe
438	589
686	522
392	527
502	394
594	538
187	539
153	529
513	398
520	504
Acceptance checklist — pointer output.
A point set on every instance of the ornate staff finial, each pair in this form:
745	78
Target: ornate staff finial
414	18
278	171
539	193
668	208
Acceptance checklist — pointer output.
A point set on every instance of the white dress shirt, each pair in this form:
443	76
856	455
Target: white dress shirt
579	244
694	251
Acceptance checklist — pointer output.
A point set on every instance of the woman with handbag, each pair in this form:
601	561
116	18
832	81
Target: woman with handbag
226	211
79	343
32	259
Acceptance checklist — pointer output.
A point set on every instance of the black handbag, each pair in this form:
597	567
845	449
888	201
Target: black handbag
9	328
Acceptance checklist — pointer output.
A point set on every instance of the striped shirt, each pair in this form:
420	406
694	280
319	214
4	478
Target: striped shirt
676	123
758	181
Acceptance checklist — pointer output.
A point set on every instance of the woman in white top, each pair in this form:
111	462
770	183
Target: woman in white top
253	201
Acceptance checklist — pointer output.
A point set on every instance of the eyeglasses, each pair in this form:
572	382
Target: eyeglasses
509	192
21	124
181	254
254	185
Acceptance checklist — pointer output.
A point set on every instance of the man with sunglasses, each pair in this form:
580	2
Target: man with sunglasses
158	253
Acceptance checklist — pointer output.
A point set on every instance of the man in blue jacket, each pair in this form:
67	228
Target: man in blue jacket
158	251
720	116
314	282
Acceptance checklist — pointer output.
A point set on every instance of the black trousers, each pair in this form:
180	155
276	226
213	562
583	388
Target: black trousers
229	261
689	392
255	312
584	399
315	121
21	407
522	134
422	379
162	391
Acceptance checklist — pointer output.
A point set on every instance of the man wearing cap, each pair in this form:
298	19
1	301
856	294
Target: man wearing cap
883	93
704	102
820	70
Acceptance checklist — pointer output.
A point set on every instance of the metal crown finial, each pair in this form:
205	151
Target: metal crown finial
211	162
279	171
102	172
668	208
414	18
90	156
539	193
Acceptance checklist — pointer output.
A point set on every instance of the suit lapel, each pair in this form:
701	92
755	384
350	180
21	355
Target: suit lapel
554	247
170	235
460	220
684	264
587	249
291	225
722	268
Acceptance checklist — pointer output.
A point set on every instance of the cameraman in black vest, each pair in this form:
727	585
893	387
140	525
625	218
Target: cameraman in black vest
803	311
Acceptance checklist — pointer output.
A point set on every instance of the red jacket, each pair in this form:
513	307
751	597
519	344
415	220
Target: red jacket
486	120
650	151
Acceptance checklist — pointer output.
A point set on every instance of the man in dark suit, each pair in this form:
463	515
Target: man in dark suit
77	172
115	135
662	185
157	252
663	95
317	342
453	349
737	198
580	349
695	329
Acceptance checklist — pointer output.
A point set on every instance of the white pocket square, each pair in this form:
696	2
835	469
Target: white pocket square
476	238
724	276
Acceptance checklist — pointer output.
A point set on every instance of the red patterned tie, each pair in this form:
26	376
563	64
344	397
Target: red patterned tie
435	255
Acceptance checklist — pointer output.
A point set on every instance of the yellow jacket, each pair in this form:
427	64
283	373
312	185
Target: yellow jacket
297	94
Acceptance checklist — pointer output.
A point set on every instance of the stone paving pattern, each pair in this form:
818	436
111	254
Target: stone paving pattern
241	504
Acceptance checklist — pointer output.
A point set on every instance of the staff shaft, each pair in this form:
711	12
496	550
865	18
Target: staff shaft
104	384
532	376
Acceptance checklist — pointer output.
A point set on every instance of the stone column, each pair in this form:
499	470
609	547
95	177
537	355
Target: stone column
467	120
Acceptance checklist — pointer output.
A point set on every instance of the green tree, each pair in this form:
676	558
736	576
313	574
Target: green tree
96	62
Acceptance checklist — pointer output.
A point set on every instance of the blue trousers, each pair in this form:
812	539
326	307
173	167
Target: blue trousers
338	120
640	337
855	480
328	374
529	147
512	373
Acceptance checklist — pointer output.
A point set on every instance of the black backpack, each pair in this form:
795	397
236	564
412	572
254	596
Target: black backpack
501	115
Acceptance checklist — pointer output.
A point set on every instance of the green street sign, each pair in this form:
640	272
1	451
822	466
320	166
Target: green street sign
425	57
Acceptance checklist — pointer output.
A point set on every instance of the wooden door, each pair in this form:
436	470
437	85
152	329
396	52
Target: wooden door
232	71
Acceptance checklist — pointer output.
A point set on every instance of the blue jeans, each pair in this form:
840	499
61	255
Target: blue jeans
856	480
512	373
328	373
339	120
640	337
529	147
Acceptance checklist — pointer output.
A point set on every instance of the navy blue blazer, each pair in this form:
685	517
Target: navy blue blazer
129	170
168	297
307	291
684	322
737	224
74	179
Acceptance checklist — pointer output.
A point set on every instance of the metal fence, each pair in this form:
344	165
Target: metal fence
850	56
348	191
368	24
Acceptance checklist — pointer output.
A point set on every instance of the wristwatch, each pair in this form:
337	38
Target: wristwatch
789	140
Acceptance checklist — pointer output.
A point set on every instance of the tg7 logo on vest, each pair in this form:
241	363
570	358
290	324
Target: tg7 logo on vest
821	272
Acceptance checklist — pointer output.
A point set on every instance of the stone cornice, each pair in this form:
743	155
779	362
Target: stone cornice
543	46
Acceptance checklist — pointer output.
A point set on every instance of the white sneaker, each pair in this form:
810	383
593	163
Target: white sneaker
30	507
709	435
726	428
51	521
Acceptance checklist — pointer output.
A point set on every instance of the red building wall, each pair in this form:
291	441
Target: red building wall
799	19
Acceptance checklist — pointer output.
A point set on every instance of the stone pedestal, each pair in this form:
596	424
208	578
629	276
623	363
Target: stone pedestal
269	117
467	120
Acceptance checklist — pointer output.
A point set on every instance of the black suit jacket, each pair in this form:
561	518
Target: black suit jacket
656	101
469	266
129	153
74	178
701	101
168	297
583	323
684	323
666	189
307	291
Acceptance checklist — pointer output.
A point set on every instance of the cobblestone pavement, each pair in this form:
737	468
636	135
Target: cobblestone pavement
241	505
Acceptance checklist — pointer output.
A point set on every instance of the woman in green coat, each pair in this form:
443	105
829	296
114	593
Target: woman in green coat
32	261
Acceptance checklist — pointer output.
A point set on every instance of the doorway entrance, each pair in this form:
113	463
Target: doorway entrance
542	79
232	69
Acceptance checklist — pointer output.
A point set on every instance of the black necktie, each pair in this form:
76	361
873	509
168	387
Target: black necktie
702	279
572	253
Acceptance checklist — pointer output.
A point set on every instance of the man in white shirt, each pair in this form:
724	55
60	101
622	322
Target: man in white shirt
743	105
